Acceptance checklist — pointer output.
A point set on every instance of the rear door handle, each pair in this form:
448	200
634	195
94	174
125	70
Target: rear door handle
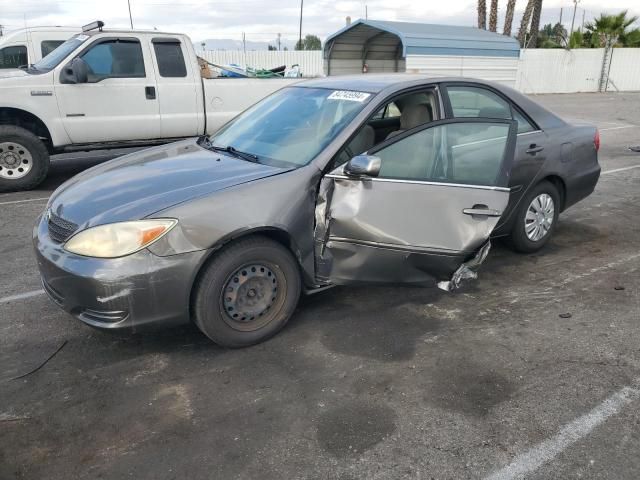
533	149
150	93
482	211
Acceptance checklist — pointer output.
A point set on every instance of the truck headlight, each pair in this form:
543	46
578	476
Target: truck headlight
118	239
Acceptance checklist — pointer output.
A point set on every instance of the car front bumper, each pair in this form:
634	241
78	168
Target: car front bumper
138	290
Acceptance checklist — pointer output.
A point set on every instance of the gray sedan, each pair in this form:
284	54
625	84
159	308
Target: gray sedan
339	180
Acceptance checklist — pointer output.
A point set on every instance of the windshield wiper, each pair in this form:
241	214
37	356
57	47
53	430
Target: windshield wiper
250	157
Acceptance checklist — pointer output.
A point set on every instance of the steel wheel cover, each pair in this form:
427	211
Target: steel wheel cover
539	217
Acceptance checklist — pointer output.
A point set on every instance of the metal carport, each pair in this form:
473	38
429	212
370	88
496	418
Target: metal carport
383	46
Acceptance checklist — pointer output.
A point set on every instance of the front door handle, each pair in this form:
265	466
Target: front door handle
533	149
150	93
481	211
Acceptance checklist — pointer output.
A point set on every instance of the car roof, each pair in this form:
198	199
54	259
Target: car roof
389	83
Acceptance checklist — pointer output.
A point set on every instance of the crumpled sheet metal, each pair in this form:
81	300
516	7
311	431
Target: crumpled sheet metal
466	271
321	233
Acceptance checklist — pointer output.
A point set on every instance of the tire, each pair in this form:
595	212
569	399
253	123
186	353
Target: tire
261	283
24	159
524	242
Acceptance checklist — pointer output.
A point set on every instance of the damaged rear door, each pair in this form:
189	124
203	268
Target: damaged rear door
419	206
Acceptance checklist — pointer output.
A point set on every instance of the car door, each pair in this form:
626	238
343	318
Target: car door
427	213
181	115
467	100
118	103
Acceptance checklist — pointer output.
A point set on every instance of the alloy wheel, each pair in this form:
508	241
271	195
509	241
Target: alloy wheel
15	161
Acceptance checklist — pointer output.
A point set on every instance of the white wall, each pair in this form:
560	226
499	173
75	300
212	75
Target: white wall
537	70
310	61
497	69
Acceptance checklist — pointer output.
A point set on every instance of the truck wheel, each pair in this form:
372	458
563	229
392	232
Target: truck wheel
24	159
247	292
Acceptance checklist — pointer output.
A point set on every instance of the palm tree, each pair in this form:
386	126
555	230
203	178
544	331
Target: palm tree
493	16
508	18
607	29
482	14
535	23
524	23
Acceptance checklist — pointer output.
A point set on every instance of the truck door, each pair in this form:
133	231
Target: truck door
179	89
420	206
119	101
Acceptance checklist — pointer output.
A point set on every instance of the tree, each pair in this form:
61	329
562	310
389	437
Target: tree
535	23
493	16
576	40
310	42
524	23
552	36
271	48
508	17
482	14
631	38
607	30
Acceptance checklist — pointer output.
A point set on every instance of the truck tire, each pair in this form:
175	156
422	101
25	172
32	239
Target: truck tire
24	159
247	292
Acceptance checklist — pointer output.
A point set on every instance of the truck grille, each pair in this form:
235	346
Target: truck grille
60	229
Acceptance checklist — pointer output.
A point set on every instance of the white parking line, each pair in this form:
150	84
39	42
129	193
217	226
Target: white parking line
617	128
13	202
619	169
547	450
21	296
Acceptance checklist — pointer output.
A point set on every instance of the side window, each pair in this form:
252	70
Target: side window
13	57
524	125
467	153
477	102
170	59
115	59
48	46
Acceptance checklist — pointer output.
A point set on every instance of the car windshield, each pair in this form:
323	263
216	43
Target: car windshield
56	56
292	126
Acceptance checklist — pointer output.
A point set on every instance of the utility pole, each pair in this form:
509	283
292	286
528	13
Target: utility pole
366	12
575	7
279	36
1	30
583	12
560	22
130	17
300	34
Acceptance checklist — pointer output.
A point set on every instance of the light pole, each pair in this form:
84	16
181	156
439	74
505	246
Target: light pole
573	19
130	17
300	34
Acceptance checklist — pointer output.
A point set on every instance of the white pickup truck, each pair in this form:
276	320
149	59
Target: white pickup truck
110	89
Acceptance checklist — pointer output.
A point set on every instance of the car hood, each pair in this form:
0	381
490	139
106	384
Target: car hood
145	182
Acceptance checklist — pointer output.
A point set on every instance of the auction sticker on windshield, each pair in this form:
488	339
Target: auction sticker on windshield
349	95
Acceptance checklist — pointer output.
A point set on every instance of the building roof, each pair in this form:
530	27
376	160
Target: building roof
423	39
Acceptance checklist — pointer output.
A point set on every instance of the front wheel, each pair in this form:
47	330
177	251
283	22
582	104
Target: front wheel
247	292
24	159
536	218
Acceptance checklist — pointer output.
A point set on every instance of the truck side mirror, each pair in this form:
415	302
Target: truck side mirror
77	71
363	166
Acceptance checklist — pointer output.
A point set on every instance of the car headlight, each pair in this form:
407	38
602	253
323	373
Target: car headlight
118	239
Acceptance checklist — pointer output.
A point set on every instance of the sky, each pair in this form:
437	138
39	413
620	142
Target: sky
262	20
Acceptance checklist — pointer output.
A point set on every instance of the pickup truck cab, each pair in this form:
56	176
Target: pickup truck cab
23	47
110	89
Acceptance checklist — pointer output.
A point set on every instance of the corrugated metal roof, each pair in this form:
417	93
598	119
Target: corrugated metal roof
419	39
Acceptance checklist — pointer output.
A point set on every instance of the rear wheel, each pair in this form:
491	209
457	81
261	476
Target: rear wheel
24	159
247	292
536	219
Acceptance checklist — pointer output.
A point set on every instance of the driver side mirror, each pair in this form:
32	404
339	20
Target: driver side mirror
77	71
363	166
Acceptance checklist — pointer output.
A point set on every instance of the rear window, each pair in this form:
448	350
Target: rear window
48	46
170	59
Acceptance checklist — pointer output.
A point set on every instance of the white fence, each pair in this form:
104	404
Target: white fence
538	70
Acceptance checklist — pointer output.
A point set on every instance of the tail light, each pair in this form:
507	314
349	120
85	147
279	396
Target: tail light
596	140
